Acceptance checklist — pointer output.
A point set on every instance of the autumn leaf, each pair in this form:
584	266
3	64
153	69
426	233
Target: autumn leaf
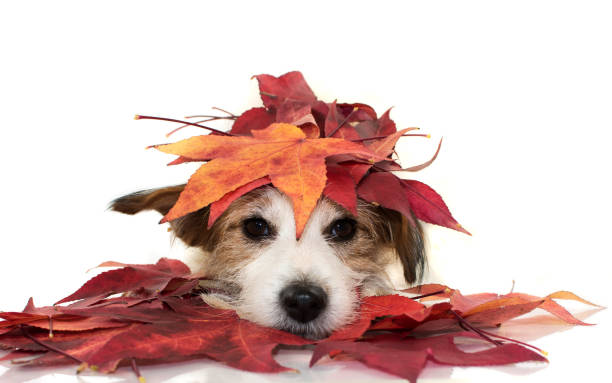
152	278
294	164
340	187
379	306
252	119
105	333
336	125
383	126
428	205
406	357
239	159
288	87
218	207
191	328
382	188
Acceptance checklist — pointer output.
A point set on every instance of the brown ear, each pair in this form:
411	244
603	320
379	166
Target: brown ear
161	200
191	228
407	238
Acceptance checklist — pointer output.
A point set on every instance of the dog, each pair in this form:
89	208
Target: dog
310	286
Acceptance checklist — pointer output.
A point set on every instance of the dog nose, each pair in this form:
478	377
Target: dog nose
303	302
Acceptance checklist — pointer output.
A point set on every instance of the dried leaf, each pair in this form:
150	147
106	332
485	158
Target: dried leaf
294	163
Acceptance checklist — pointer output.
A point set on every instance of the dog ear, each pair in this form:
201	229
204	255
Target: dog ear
407	239
190	228
160	200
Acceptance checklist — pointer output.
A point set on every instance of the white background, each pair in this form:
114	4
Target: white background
521	91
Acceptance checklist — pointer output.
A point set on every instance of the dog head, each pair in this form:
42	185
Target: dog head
310	286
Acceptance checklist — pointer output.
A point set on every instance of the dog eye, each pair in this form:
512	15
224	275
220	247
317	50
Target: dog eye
342	229
256	228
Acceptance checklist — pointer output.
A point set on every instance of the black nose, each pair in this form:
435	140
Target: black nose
303	302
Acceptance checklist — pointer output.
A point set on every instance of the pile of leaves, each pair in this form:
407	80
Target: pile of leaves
163	318
306	148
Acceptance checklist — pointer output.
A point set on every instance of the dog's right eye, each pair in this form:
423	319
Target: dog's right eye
342	229
256	228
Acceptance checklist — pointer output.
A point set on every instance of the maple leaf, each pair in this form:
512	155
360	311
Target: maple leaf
385	189
218	207
336	125
295	165
358	112
340	187
407	197
288	87
373	128
193	328
151	278
379	306
288	99
405	356
175	324
252	119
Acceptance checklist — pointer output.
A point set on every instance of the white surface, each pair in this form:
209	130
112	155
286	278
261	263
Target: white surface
521	92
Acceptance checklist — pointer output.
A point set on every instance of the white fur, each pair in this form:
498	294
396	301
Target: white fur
276	264
286	260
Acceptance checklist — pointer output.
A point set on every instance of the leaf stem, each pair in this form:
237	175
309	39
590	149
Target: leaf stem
381	137
139	117
342	123
466	326
136	370
225	111
428	295
50	326
514	341
213	118
48	346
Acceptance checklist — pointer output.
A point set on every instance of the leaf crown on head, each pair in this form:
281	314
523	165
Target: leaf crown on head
306	148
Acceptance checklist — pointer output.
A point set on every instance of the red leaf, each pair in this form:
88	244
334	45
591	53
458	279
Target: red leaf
281	151
384	146
333	127
218	207
428	206
252	119
385	189
165	328
384	126
288	87
131	277
406	356
340	187
377	306
360	112
295	113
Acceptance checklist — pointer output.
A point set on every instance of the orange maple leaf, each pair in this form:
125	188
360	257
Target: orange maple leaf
294	163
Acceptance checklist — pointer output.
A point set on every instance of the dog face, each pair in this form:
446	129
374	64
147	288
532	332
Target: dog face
309	286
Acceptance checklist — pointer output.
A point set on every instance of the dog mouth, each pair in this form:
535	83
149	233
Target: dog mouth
302	308
310	330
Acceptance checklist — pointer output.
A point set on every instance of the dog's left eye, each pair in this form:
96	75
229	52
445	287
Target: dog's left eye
342	229
256	228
